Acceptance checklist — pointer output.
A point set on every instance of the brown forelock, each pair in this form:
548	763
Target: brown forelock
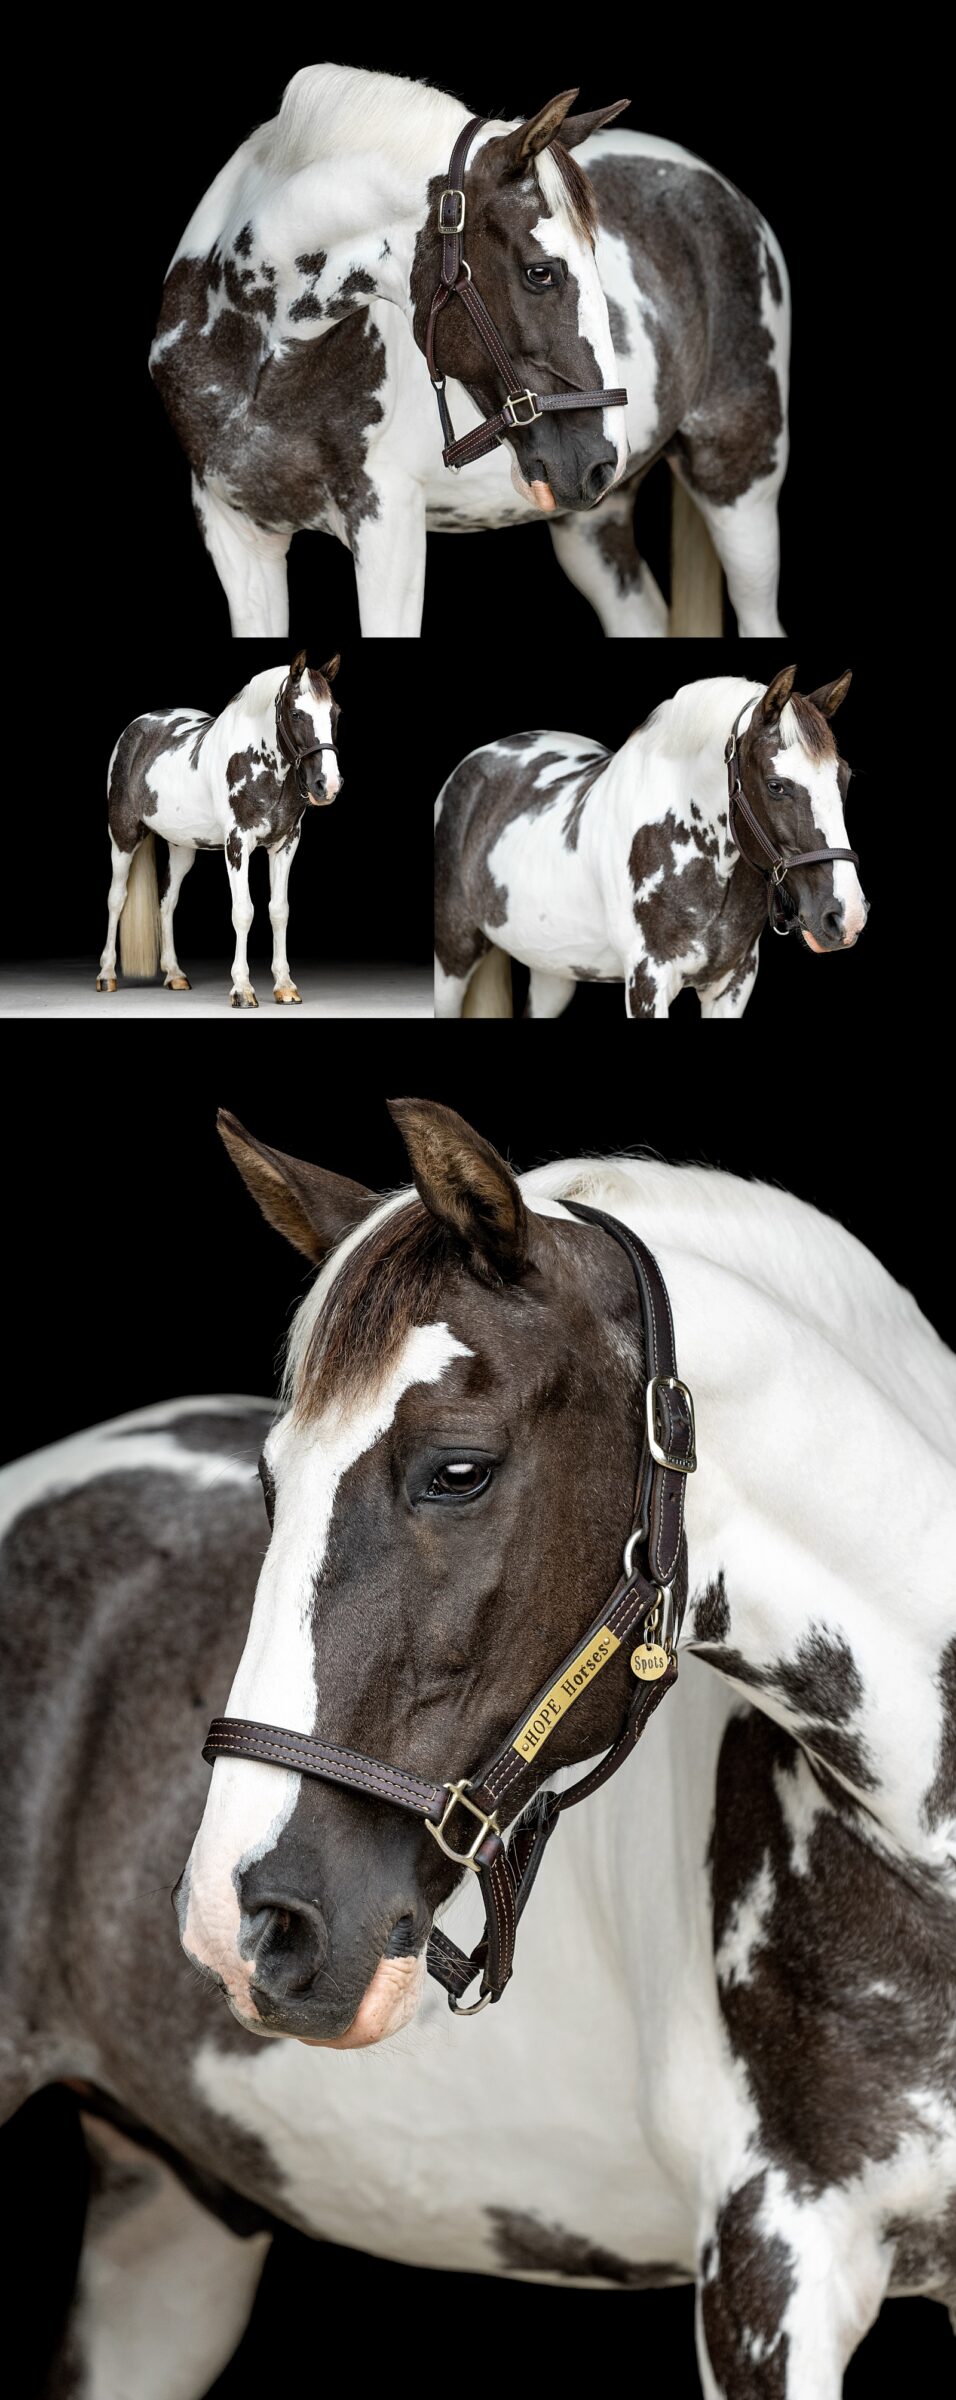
319	686
580	195
813	729
388	1284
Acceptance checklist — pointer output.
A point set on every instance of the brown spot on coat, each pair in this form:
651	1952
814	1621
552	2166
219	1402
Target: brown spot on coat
234	850
853	1968
940	1799
527	2246
748	2279
712	1612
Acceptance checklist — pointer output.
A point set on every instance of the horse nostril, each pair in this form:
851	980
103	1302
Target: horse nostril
289	1945
597	481
401	1940
831	923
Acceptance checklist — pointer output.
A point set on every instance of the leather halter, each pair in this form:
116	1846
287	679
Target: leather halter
521	408
654	1554
783	914
296	758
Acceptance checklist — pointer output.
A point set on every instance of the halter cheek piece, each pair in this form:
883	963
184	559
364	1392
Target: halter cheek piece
521	408
464	1816
781	909
296	758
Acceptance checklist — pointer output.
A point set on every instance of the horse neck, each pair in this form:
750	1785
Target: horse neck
358	207
251	716
817	1521
682	747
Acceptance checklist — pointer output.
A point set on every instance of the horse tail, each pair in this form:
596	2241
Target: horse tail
139	923
697	582
489	992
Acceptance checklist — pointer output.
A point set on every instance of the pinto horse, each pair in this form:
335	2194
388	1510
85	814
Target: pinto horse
728	2052
289	353
238	782
632	867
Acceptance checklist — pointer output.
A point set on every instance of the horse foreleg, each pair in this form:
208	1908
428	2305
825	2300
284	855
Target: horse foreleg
164	2290
181	858
785	2294
280	867
599	555
237	869
389	552
122	862
250	564
746	537
730	999
648	990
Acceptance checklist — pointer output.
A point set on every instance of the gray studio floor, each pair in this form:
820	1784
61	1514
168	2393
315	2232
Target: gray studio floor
67	988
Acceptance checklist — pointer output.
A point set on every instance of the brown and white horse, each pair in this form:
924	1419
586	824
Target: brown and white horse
727	2053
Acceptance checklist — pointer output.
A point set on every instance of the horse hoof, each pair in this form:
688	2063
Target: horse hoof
177	983
243	1000
287	995
106	983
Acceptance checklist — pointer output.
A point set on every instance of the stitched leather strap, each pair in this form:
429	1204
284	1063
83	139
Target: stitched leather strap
457	283
244	1737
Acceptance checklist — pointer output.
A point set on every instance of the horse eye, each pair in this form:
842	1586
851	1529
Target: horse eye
546	275
458	1479
774	787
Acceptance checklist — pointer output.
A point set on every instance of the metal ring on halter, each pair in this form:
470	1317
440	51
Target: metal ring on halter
475	2009
634	1542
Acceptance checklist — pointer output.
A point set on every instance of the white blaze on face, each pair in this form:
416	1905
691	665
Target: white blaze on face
320	712
249	1803
558	236
819	777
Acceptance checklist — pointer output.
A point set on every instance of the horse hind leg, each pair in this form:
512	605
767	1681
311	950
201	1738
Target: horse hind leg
250	564
599	555
122	861
164	2290
549	995
181	858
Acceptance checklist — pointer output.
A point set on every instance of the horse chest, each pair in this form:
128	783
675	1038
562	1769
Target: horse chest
282	434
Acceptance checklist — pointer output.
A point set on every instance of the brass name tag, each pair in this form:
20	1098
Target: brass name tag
649	1661
581	1671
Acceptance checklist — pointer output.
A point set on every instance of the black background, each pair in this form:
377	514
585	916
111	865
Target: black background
778	123
235	1283
360	886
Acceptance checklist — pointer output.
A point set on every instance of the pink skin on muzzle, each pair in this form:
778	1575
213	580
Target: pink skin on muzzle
389	2003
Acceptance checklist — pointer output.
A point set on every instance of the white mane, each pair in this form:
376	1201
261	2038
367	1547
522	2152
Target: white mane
701	714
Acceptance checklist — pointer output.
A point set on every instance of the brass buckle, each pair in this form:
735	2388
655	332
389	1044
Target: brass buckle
681	1466
459	224
457	1798
514	401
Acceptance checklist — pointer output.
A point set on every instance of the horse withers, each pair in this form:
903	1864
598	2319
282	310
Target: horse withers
238	782
656	867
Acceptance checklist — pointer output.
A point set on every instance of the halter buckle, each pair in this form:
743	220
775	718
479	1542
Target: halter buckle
671	1383
514	402
458	1798
448	224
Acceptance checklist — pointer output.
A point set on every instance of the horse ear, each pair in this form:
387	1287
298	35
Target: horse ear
297	668
332	669
311	1208
774	700
829	696
579	129
467	1186
526	140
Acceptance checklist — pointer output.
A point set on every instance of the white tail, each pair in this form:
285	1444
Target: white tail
139	923
697	581
489	992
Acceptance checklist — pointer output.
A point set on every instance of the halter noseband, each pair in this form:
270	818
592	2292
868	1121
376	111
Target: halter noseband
781	910
643	1608
296	758
522	407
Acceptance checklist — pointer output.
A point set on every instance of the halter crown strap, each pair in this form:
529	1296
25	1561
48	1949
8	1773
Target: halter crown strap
522	407
780	860
465	1816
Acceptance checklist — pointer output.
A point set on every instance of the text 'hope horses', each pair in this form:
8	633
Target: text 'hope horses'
728	2055
238	782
